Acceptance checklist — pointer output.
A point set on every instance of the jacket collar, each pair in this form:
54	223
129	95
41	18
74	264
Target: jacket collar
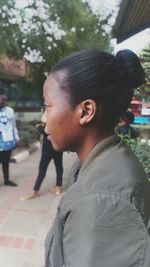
100	150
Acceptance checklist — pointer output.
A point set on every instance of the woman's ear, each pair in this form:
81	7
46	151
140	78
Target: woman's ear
88	109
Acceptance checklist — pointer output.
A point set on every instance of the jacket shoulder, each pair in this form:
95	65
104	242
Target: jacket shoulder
9	109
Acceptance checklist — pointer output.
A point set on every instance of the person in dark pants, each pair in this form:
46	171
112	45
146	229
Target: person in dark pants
8	137
4	159
48	153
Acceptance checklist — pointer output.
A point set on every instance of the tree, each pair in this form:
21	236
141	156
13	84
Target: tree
46	30
144	91
145	58
11	35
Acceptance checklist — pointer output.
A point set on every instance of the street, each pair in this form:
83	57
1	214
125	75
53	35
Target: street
24	224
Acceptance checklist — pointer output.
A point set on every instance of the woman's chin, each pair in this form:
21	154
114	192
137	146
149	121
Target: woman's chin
56	147
59	148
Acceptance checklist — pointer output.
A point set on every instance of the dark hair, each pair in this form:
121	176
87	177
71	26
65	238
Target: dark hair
2	92
107	79
128	116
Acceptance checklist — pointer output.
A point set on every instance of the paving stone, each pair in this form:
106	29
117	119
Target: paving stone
25	224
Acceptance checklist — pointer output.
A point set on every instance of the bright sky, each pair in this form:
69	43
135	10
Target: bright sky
136	43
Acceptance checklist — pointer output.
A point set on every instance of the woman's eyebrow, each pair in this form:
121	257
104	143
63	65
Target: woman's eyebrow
45	104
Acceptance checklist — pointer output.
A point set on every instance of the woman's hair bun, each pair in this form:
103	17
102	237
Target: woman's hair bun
130	67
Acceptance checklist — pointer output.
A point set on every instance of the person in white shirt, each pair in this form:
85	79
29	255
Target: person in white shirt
8	137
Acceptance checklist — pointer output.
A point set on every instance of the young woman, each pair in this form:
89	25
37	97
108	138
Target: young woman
104	217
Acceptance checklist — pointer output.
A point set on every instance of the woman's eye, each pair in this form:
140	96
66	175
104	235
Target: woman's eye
46	107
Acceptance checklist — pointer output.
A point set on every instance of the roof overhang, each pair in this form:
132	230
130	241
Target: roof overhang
133	17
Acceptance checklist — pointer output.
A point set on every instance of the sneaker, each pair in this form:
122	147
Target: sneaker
31	196
55	190
10	183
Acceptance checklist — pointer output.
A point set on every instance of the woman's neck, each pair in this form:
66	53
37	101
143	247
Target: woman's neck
89	142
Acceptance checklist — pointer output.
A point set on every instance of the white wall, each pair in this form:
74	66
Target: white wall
28	116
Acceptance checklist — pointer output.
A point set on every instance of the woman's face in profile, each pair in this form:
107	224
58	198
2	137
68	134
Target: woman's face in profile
61	119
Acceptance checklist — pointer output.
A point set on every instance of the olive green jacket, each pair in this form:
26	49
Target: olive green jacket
103	220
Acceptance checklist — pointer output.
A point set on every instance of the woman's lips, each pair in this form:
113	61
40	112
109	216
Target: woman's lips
49	137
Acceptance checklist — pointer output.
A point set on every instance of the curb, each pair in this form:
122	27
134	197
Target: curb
26	153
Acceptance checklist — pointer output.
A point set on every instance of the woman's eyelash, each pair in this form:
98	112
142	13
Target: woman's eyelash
45	106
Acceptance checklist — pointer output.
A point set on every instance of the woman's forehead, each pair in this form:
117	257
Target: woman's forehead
52	89
50	83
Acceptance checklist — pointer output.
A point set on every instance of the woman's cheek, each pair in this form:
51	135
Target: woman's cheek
47	122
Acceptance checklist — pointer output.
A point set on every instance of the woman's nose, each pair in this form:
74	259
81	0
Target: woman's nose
43	118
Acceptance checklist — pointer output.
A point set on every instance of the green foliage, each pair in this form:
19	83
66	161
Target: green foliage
145	58
141	150
83	29
45	31
11	35
144	91
28	134
11	104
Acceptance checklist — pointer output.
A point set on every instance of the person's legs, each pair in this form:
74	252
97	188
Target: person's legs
5	164
59	173
59	168
5	167
44	162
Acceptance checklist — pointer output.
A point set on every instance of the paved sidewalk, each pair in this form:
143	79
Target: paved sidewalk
24	224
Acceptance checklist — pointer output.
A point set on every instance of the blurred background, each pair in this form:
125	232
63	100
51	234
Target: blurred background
35	34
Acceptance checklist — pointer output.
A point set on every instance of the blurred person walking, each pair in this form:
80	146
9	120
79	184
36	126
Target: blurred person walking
48	153
8	137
